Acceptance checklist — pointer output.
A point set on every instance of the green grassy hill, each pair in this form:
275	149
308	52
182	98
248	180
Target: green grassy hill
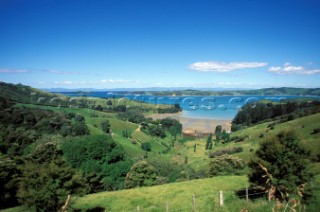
252	137
178	196
27	94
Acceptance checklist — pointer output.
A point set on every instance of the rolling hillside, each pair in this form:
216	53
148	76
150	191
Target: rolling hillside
178	196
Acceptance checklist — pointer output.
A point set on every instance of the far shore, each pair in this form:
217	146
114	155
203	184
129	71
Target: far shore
195	125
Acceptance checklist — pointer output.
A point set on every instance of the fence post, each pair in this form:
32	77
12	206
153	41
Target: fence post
221	198
247	194
213	201
138	208
194	202
167	207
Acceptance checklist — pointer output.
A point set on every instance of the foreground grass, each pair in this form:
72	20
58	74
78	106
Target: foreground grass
176	195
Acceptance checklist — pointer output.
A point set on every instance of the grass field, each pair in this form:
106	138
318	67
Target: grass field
178	196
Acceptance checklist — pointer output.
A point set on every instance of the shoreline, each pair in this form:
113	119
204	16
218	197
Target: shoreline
195	125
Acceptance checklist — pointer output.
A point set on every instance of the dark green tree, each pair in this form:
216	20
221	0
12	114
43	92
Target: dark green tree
141	174
9	178
226	165
209	142
225	136
109	102
79	128
45	187
218	132
106	127
146	146
280	167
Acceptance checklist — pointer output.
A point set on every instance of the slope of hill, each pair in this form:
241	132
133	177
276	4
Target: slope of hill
27	94
178	196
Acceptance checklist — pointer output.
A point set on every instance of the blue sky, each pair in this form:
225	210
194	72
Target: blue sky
160	43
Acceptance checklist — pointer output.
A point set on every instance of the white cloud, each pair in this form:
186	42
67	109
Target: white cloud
103	81
19	71
119	81
224	67
290	69
67	82
13	71
61	72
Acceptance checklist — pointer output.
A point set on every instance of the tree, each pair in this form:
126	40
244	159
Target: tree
79	118
281	167
45	187
209	142
106	127
226	165
146	146
225	136
103	162
155	130
79	128
109	102
99	107
141	174
218	132
9	178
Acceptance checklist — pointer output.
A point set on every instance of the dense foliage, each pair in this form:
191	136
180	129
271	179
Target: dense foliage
146	146
281	167
226	165
100	159
21	126
231	150
209	143
45	187
141	174
256	112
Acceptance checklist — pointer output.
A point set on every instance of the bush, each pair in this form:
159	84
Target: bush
226	165
281	167
146	146
141	174
46	187
315	131
229	151
239	138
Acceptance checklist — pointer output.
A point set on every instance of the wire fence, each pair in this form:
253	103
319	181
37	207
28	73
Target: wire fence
209	201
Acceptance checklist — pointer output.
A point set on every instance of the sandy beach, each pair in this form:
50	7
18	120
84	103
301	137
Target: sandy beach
195	125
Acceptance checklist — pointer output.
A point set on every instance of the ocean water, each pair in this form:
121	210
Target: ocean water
204	107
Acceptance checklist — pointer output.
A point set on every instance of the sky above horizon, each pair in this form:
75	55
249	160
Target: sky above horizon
160	43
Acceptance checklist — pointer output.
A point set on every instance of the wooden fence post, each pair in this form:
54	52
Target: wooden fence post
194	202
167	207
247	194
138	208
221	198
213	201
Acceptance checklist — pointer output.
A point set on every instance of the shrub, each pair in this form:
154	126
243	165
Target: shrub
146	146
226	165
141	174
281	167
229	151
315	131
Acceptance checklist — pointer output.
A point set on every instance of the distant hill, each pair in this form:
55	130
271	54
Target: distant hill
234	92
26	94
284	91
